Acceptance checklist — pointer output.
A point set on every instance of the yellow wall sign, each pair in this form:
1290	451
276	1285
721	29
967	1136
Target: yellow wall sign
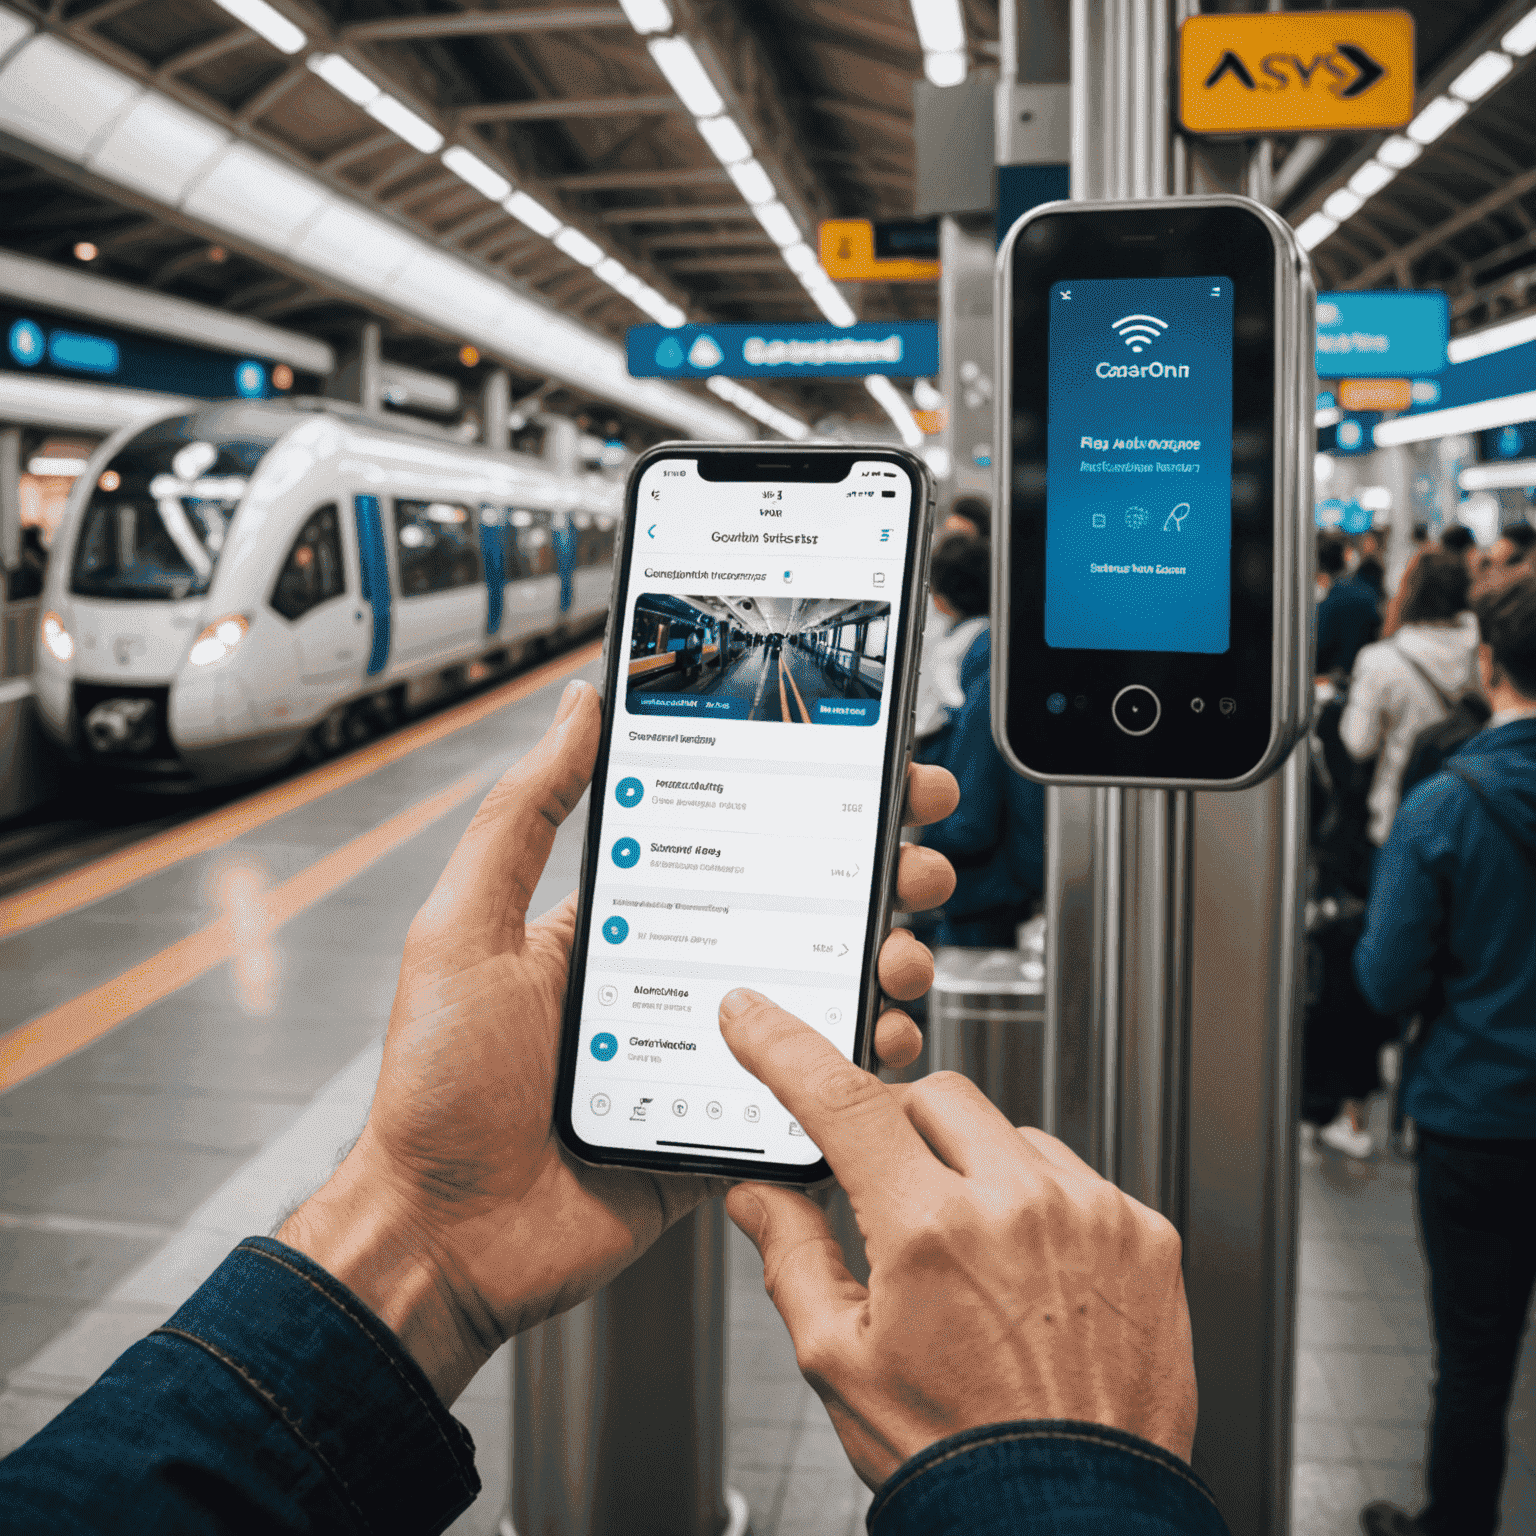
848	254
1375	394
1307	72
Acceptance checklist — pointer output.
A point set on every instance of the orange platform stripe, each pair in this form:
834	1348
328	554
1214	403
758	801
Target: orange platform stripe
106	876
33	1047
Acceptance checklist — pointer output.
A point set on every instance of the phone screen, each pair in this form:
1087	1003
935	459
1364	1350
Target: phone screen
1138	548
735	832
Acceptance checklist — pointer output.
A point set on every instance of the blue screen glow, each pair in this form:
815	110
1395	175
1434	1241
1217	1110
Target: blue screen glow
1139	465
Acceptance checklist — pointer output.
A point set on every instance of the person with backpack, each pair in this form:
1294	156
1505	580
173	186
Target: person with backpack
1411	680
1451	935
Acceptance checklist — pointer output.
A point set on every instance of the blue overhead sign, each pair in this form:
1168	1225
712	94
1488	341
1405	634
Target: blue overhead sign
905	349
1394	334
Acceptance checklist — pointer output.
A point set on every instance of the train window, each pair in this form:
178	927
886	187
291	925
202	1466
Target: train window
530	548
437	547
161	512
312	574
594	540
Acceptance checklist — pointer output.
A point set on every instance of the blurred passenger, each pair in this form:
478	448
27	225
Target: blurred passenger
27	579
969	514
996	839
305	1387
1420	535
1459	540
1514	546
1451	935
1348	617
1369	570
1412	680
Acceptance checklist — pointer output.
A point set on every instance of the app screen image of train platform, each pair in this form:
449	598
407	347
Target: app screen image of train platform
1138	545
788	660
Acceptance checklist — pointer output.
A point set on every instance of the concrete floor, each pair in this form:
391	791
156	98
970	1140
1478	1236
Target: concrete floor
128	1170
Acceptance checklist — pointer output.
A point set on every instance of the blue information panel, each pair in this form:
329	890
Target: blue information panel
905	349
1390	335
1138	542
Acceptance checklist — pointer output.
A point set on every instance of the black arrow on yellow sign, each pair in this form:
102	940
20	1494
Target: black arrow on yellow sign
1370	70
1367	70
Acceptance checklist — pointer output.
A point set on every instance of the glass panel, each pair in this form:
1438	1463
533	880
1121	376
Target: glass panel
312	574
161	511
437	546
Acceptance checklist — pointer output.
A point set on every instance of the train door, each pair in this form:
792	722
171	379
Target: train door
441	613
311	594
373	567
565	558
533	580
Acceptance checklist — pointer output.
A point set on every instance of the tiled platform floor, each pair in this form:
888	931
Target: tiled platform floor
127	1171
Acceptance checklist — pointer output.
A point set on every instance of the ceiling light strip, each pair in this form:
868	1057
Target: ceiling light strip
1482	416
941	35
1435	118
890	400
683	69
344	77
90	114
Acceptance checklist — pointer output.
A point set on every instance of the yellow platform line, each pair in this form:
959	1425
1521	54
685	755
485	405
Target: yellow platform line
805	714
106	876
49	1038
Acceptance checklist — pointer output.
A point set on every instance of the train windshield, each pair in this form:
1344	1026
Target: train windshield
160	513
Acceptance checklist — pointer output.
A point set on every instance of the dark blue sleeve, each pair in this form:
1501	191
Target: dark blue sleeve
1394	960
968	751
1054	1477
1330	640
273	1401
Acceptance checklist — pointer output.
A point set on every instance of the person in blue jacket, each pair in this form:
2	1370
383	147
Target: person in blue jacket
1020	1361
1349	613
1451	934
996	838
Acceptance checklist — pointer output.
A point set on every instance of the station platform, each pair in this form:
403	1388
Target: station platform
206	1013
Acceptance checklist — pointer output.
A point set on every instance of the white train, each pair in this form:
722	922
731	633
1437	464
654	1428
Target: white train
235	586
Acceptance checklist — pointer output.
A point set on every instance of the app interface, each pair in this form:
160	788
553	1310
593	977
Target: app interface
737	829
1139	465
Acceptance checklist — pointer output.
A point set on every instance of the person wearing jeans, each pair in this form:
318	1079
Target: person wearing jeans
1451	933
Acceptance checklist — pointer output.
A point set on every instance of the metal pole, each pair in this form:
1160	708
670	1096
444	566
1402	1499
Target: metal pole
370	369
1171	1060
10	502
618	1406
496	410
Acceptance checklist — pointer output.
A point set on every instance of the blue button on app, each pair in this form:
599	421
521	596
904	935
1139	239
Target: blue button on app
629	792
615	930
604	1047
626	853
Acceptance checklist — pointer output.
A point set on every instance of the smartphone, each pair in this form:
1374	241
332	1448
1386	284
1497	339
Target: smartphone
760	666
1153	560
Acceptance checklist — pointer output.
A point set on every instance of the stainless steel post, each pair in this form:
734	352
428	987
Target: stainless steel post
966	247
618	1406
370	369
496	410
1173	926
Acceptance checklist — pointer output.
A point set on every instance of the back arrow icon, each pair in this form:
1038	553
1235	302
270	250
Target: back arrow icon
1370	70
651	531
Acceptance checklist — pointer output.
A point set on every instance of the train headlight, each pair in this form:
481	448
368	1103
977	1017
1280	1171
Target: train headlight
60	643
218	640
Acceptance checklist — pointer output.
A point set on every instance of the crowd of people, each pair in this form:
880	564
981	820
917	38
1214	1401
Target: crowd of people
1422	935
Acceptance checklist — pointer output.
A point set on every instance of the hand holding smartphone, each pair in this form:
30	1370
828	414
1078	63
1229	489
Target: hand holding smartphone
746	801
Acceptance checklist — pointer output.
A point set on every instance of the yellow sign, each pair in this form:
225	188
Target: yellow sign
848	254
1306	72
1375	394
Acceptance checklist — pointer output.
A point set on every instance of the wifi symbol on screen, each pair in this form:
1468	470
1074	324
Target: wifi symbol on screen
1138	331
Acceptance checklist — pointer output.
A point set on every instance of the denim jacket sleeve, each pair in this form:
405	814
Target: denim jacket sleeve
273	1401
1053	1477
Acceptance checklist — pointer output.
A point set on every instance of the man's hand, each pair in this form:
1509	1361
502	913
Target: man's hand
457	1216
1007	1279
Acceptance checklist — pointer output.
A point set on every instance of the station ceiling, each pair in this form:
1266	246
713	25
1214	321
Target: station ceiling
566	101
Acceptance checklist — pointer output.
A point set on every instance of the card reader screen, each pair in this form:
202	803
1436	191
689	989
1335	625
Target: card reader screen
1138	550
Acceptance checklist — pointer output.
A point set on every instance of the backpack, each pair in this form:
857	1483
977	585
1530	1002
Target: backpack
1465	716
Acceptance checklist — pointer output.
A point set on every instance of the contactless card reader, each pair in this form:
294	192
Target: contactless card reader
1152	570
